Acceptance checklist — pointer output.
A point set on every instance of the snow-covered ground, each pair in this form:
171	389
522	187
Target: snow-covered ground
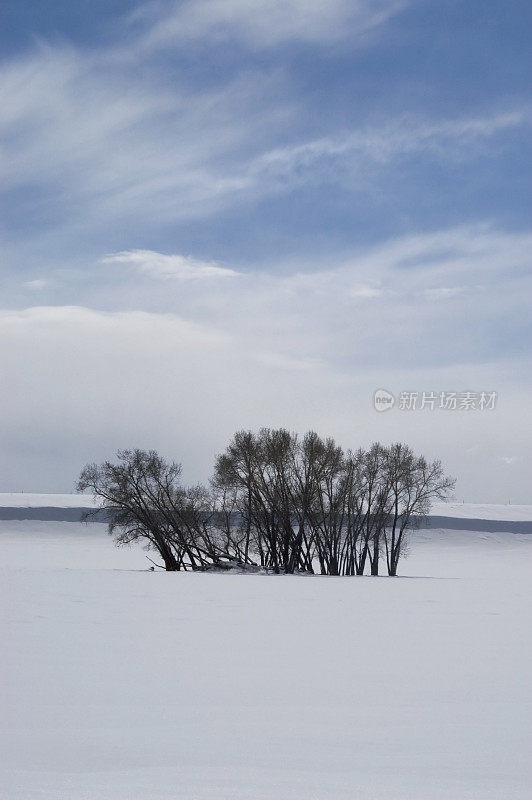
119	683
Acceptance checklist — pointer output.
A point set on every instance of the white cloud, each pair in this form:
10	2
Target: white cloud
266	23
37	284
158	265
364	150
106	145
458	294
365	292
103	146
444	292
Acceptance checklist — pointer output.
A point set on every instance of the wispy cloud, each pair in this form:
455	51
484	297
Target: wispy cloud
101	146
158	265
37	284
365	292
265	23
367	149
445	292
99	143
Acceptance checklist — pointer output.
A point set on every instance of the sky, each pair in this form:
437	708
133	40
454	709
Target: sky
226	214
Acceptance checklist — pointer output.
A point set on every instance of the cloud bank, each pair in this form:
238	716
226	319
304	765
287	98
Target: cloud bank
303	349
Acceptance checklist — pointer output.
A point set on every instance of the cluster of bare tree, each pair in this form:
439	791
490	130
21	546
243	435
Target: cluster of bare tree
278	500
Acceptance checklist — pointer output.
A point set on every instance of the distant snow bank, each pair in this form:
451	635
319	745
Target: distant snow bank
23	500
491	511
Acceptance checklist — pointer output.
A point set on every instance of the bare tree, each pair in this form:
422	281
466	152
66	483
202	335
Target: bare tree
292	503
144	499
269	474
289	492
325	472
413	484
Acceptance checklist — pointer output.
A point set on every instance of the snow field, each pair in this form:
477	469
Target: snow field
123	684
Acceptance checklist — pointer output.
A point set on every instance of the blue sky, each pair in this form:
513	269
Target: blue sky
295	203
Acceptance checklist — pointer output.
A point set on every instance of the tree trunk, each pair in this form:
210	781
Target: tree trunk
374	554
171	563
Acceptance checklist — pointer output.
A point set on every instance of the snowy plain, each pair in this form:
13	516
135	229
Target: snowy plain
118	683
